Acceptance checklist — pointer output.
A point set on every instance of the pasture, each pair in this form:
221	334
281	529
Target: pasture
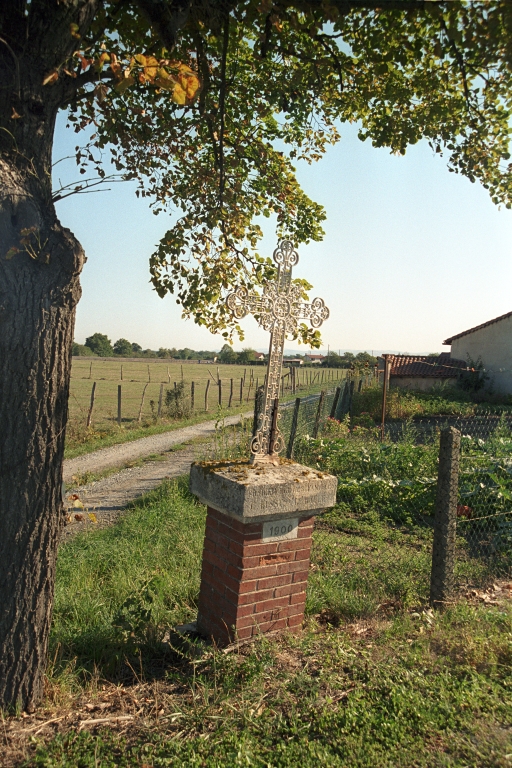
130	395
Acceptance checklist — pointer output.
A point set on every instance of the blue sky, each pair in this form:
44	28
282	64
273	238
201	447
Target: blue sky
412	254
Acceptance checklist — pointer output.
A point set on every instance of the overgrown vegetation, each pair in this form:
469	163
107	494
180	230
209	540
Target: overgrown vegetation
441	400
375	679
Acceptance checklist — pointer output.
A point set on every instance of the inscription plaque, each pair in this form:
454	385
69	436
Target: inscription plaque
278	530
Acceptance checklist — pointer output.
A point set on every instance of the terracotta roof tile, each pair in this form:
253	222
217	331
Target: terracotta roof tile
442	367
477	327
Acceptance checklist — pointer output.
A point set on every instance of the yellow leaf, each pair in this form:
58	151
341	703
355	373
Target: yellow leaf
78	504
179	95
92	517
140	59
51	77
73	28
151	67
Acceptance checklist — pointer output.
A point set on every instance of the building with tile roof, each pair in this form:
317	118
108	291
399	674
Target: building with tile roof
422	371
491	342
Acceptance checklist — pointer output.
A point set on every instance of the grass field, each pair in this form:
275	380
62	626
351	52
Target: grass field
141	384
376	679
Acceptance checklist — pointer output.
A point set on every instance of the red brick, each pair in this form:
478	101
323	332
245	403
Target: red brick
230	557
300	576
292	566
214	559
251	598
273	604
261	549
258	619
224	580
247	585
299	597
303	554
288	589
296	610
206	569
217	538
275	581
244	633
276	558
296	621
237	547
262	571
272	626
209	546
244	610
305	521
289	545
305	533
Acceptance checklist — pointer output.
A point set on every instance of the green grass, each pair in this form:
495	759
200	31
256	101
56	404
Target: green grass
375	679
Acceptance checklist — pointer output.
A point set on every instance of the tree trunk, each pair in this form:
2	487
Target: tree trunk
40	263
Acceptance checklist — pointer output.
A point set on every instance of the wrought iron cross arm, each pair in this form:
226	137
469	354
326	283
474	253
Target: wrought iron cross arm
316	312
242	303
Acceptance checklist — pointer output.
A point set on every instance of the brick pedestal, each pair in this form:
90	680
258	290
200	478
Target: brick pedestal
257	544
249	585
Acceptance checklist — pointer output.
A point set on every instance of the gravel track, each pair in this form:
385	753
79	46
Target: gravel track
105	499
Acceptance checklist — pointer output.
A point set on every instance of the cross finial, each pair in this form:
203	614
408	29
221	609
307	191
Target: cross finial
278	310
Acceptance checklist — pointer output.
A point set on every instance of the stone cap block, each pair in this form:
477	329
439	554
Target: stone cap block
256	492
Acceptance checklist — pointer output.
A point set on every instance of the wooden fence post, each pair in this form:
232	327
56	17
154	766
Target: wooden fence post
121	373
293	430
90	371
119	402
149	374
318	414
168	376
445	518
93	394
332	414
192	396
230	393
206	394
219	384
142	401
384	397
241	389
182	372
160	399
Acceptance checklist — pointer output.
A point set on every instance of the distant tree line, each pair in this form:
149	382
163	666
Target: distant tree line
99	345
349	360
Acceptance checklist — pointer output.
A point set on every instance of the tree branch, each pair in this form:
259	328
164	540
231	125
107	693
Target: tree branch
166	17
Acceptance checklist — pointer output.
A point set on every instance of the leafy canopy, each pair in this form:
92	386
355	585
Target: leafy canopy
100	344
211	129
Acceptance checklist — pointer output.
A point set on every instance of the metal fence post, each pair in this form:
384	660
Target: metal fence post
445	518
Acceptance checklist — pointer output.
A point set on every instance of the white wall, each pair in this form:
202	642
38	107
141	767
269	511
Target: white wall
424	383
494	345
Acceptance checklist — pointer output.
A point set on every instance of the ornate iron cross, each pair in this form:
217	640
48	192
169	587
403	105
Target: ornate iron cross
278	310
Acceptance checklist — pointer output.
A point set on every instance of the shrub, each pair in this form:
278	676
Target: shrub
177	402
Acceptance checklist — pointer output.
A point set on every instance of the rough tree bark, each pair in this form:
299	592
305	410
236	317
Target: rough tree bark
40	263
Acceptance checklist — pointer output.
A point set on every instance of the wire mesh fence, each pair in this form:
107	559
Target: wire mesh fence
396	478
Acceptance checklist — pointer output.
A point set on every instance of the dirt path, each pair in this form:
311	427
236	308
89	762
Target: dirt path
119	455
100	503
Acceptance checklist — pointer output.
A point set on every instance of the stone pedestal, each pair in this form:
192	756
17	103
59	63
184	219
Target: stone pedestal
257	544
